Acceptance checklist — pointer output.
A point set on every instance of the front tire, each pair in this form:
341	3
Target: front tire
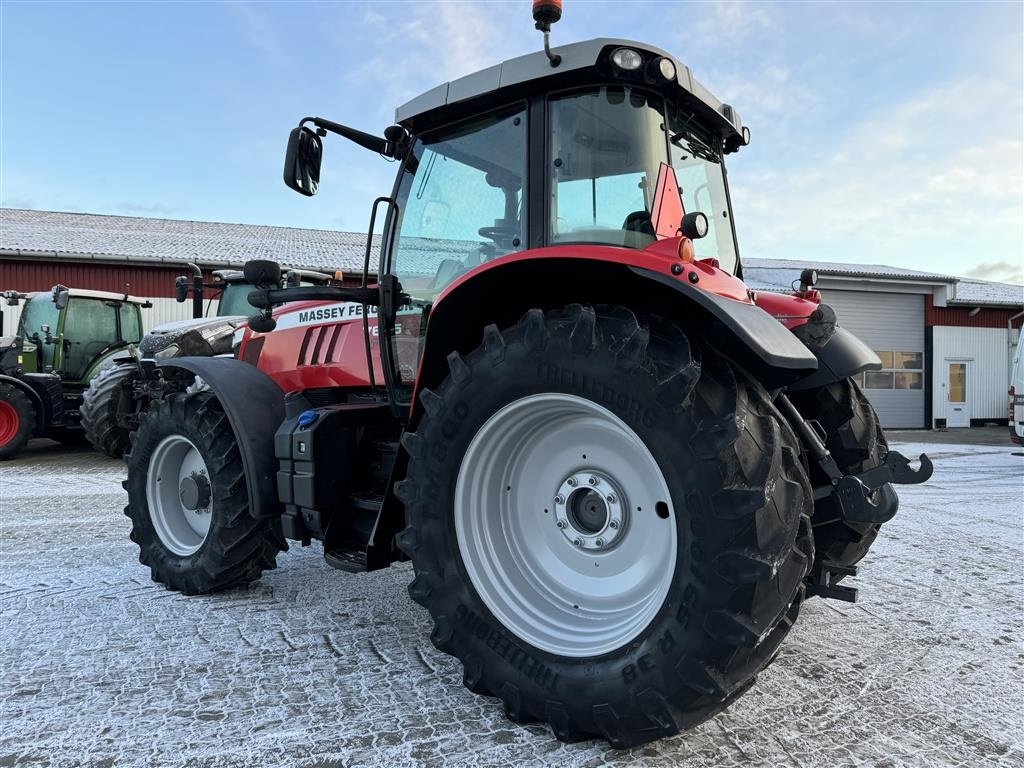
684	447
104	404
17	420
188	500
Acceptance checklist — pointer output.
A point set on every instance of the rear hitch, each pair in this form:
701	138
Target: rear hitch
863	498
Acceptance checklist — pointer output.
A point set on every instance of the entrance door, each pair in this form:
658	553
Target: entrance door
958	404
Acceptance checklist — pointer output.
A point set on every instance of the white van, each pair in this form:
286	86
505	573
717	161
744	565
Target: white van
1017	396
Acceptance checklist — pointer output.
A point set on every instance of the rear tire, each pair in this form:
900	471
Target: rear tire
855	439
104	404
737	513
17	420
183	551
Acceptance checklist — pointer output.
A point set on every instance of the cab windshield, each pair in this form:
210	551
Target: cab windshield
460	202
234	300
607	145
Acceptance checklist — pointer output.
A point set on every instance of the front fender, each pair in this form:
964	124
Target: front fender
254	405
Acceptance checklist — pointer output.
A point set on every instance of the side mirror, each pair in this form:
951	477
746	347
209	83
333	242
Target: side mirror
302	161
61	296
262	274
695	225
180	289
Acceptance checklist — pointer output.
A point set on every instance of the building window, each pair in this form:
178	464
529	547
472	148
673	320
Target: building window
900	370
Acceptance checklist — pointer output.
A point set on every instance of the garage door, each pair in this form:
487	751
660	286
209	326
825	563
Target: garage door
892	324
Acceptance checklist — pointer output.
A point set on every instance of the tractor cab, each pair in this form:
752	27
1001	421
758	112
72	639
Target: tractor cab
71	332
558	156
536	156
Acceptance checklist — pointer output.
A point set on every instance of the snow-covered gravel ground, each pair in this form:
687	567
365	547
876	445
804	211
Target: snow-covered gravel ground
314	667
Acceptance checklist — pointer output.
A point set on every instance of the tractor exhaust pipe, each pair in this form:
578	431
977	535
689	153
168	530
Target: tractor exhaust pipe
197	290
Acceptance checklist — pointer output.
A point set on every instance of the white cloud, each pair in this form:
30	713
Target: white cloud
935	182
437	42
1000	271
724	22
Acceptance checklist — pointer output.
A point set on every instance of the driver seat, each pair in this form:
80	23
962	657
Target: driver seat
639	221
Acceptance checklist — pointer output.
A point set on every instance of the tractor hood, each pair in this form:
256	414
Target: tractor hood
202	336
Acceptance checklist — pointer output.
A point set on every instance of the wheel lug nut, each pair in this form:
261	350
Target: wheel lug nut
559	499
599	542
611	498
592	480
560	523
613	524
578	542
571	481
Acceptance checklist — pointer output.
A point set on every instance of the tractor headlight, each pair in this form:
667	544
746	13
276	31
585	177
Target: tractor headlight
627	59
667	69
167	352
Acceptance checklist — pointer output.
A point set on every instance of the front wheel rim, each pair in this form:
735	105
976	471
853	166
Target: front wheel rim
565	525
179	495
9	422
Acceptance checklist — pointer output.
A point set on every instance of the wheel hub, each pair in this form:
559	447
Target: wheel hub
179	495
589	510
194	492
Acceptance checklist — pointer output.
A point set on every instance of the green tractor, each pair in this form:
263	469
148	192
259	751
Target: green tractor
66	337
114	399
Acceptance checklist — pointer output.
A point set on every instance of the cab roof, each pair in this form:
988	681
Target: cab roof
87	294
577	58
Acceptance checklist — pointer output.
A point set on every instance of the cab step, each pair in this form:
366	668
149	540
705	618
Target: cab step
348	539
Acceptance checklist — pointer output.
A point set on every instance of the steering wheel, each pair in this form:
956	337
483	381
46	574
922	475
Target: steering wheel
497	233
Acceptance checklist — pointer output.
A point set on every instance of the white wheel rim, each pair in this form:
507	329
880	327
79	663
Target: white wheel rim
181	525
586	587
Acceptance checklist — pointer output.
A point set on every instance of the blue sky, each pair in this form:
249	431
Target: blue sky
882	132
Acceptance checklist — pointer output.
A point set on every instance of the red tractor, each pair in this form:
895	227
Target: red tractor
616	470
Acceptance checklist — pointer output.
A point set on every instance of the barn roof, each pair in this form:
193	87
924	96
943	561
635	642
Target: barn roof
133	239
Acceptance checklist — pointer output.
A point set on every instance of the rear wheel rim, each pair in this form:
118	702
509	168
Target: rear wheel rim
565	525
9	422
179	496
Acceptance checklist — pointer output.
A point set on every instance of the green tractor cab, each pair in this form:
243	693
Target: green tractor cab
65	337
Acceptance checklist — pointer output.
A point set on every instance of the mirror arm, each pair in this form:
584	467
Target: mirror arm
268	297
367	140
